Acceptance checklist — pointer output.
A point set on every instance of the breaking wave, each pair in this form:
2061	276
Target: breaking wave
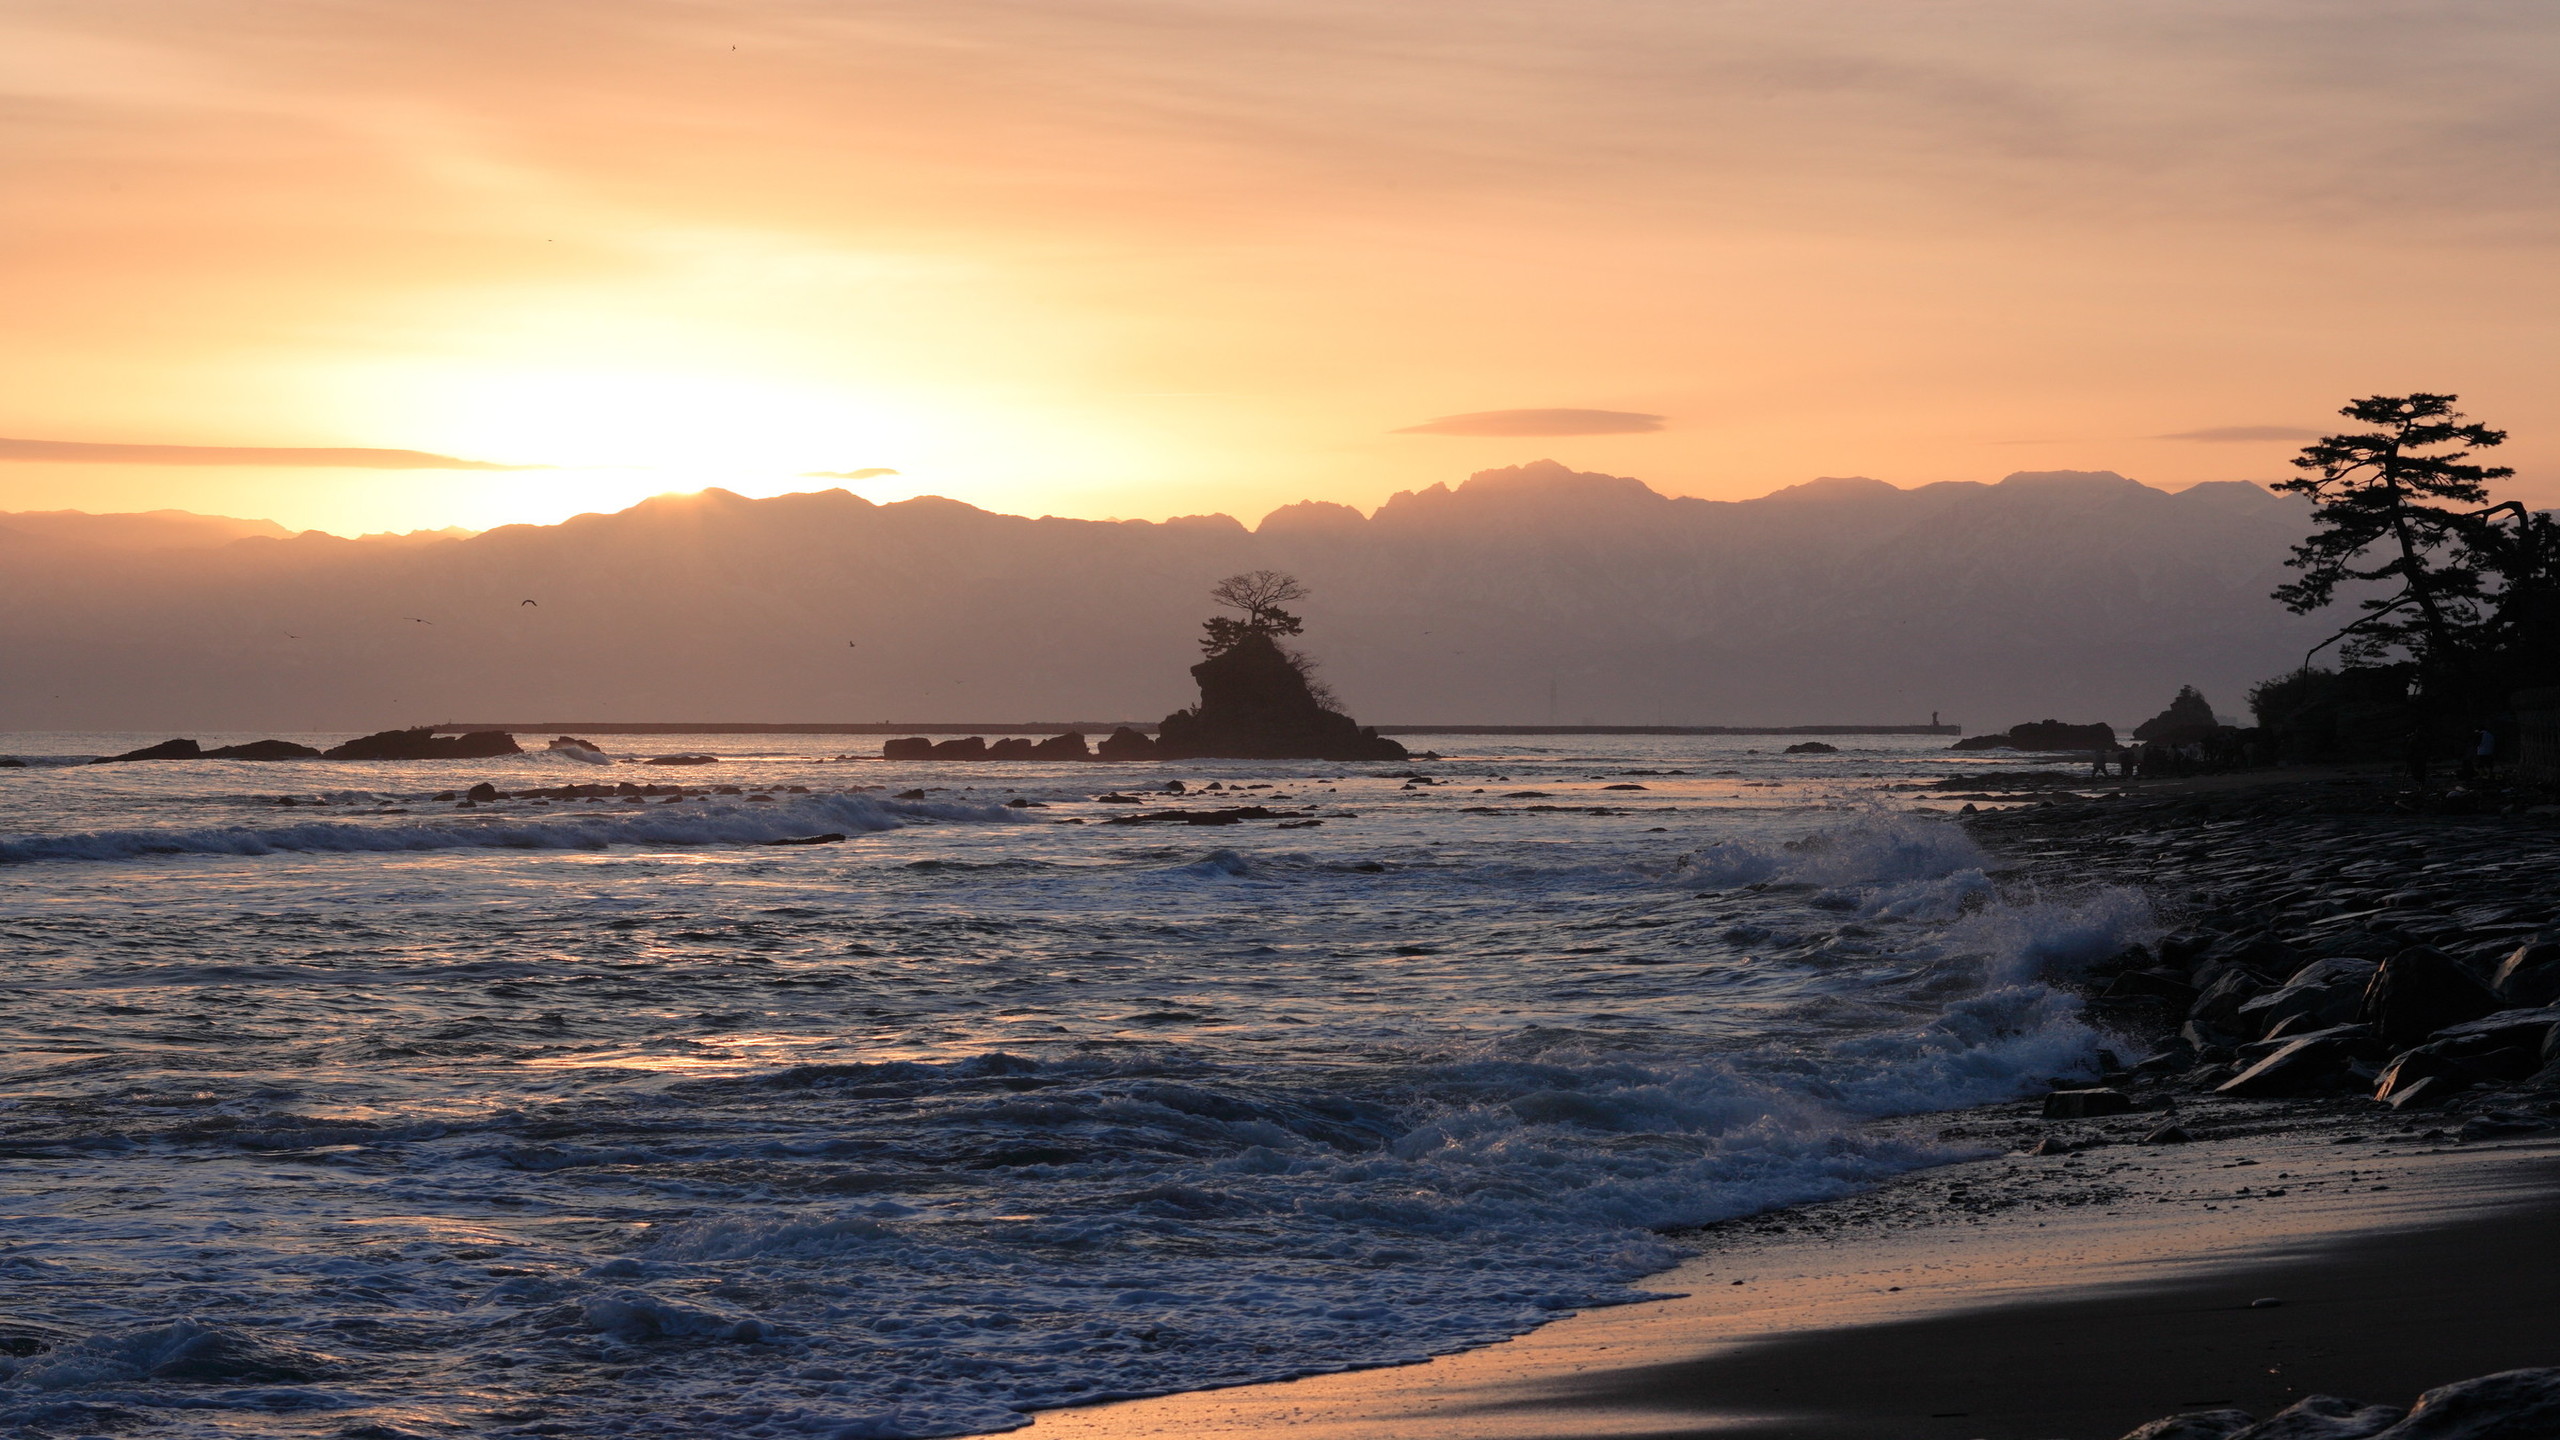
655	826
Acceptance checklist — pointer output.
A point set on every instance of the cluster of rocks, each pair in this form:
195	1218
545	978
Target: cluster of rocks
2510	1405
2043	735
190	750
1121	744
2411	958
421	743
485	793
1231	815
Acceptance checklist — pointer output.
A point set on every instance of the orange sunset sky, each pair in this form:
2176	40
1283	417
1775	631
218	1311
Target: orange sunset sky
1154	257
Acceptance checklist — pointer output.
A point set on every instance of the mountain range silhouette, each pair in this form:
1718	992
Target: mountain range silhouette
1525	595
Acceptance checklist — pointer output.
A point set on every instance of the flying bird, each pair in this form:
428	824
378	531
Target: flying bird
414	620
525	602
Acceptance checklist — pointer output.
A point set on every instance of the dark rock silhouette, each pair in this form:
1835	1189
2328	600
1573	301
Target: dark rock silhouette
1125	744
2420	991
264	750
165	750
2303	1064
1255	704
12	762
190	750
423	743
2044	735
1812	747
2187	720
1069	746
2531	975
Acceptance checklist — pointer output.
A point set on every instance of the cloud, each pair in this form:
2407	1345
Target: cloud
76	452
1539	422
846	474
2241	434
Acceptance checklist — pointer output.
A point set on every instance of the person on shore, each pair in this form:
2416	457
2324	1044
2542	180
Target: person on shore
2098	762
2484	752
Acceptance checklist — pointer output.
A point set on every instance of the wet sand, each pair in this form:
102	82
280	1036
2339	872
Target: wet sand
2011	1298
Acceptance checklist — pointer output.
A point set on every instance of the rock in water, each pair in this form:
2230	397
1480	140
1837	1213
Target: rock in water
913	747
1125	744
423	743
2420	991
165	750
264	750
973	748
2510	1405
2196	1425
1012	747
1255	704
1812	747
1069	746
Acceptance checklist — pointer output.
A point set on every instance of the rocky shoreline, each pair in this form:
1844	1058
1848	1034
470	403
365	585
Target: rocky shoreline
2341	949
2326	938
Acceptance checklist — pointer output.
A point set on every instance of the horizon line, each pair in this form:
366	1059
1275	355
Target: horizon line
1054	727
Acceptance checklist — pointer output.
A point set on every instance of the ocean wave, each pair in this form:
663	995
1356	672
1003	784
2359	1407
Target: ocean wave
697	824
1879	849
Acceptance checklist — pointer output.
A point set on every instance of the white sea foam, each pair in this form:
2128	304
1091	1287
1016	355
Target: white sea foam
657	825
1007	1116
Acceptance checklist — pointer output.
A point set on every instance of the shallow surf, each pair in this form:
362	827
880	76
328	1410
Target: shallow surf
614	1120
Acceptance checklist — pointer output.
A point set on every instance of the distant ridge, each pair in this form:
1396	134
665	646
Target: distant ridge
1534	597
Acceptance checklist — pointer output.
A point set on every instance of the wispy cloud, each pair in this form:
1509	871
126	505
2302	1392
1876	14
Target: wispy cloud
2243	434
874	472
1539	422
80	452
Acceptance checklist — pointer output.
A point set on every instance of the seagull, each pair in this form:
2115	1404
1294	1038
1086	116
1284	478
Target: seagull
525	602
414	620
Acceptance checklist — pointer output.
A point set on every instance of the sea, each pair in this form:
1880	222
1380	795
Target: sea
333	1103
